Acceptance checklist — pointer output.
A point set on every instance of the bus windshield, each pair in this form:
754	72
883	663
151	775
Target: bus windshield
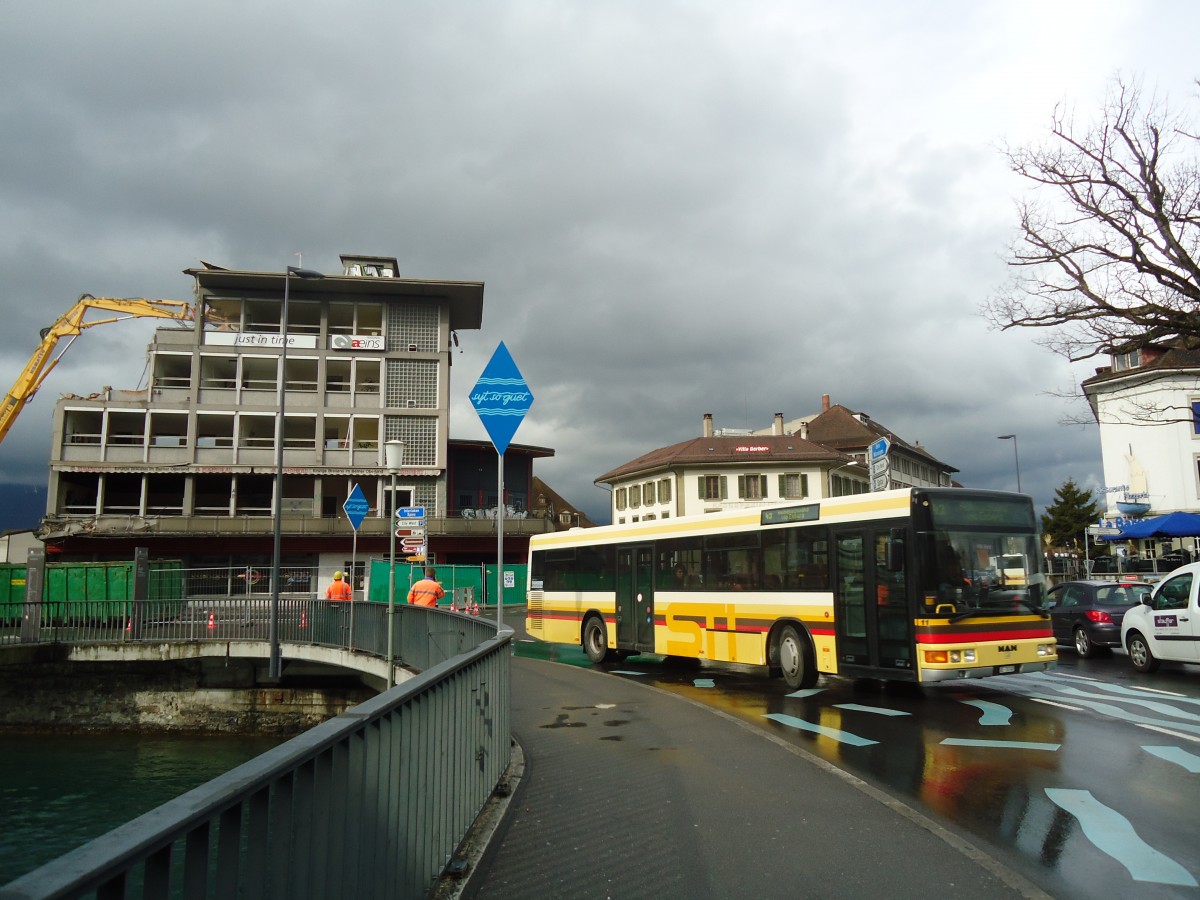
975	570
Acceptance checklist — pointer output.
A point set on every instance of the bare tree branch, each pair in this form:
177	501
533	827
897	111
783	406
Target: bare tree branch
1107	257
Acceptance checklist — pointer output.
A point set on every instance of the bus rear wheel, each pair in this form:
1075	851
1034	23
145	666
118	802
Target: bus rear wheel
795	660
595	640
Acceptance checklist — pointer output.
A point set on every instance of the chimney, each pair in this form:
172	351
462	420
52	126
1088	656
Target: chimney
804	431
708	429
824	403
778	423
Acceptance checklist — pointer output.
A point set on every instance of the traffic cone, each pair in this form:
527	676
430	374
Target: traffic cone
304	618
212	620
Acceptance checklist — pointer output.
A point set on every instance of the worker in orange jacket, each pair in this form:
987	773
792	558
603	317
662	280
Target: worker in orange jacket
339	589
426	592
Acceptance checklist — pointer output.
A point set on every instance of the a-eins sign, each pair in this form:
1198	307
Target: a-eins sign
356	342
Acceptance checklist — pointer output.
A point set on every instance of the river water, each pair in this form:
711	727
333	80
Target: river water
60	791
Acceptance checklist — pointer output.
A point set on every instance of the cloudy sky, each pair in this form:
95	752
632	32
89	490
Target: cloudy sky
678	208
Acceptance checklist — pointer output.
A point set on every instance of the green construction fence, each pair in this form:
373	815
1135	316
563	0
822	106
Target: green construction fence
460	582
95	590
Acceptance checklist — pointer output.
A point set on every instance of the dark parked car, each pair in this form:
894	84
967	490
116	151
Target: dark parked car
1088	614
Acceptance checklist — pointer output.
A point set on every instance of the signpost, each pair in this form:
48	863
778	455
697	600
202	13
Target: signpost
410	528
880	466
501	399
356	508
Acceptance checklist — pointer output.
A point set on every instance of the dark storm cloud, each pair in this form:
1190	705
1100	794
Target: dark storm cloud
677	208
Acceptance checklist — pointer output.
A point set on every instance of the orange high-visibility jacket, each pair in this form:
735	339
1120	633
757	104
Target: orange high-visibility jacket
339	590
426	592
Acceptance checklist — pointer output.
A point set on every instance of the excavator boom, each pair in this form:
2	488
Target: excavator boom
71	324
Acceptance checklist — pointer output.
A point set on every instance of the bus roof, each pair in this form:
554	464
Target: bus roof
881	504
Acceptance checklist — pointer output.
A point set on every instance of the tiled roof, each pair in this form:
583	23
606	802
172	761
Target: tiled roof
1154	357
727	450
841	429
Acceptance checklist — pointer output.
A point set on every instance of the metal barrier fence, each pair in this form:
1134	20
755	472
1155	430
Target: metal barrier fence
369	804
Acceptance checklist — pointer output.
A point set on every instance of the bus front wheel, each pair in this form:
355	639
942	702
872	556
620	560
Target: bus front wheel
595	639
795	660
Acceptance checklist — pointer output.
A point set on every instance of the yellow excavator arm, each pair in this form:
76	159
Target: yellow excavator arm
70	325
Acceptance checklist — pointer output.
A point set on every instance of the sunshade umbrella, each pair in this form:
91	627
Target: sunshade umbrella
1176	524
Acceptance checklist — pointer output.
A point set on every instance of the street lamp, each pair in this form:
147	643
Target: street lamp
829	475
393	454
1016	458
275	666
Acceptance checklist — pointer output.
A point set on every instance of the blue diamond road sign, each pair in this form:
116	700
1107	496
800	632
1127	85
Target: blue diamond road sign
501	398
356	507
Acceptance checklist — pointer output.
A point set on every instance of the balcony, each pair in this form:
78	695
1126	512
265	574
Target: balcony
262	523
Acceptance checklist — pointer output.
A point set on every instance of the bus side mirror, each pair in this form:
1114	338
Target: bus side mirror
895	550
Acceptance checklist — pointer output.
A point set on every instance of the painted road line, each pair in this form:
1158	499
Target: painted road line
993	713
1154	706
1124	715
626	672
1121	689
805	692
1177	755
1055	703
1112	833
877	710
1004	745
843	737
1167	731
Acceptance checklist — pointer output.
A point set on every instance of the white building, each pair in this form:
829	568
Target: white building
719	471
1147	404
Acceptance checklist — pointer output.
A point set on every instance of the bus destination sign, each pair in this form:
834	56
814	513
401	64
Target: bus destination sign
786	514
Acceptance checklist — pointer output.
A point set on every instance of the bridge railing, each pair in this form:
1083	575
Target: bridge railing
371	803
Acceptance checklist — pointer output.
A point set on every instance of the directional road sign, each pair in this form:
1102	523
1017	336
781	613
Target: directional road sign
880	448
410	512
356	507
501	398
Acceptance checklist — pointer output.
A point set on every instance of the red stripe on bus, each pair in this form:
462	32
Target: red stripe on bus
962	637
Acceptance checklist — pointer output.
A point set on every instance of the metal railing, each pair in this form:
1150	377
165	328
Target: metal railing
371	803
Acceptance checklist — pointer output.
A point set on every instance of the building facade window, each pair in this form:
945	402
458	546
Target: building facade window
620	498
664	490
752	487
712	487
1196	417
635	496
1130	360
648	493
793	485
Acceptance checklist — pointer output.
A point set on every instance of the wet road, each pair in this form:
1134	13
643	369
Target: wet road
1086	780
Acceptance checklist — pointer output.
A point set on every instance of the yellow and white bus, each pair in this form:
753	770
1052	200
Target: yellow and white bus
895	585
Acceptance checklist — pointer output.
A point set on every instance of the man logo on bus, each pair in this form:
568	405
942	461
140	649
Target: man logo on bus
1008	648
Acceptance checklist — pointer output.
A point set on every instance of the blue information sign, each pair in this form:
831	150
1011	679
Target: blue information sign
410	512
356	507
501	398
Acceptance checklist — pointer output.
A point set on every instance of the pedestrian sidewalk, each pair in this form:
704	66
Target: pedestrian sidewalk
622	790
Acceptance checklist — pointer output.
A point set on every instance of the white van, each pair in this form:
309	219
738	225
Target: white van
1166	625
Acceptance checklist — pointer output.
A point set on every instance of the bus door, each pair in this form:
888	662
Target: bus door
635	597
871	599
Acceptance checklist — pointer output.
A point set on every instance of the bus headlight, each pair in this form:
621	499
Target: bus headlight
1046	650
962	656
936	656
